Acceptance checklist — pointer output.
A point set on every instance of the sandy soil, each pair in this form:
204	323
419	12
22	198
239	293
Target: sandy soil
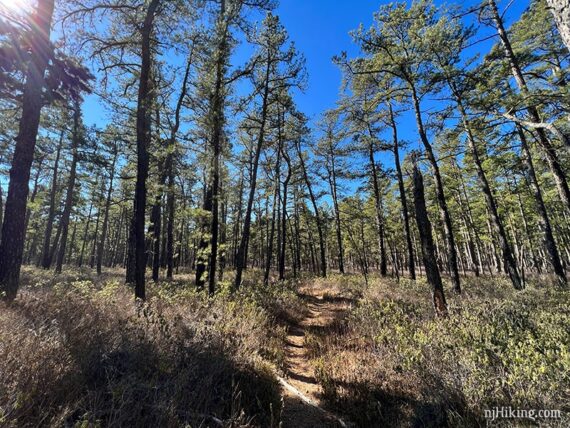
324	308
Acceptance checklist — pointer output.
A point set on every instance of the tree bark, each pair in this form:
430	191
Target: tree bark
143	136
70	187
378	206
13	232
222	54
544	220
331	169
103	239
242	250
323	266
271	234
402	189
561	11
428	251
510	262
440	194
201	252
282	255
85	234
46	252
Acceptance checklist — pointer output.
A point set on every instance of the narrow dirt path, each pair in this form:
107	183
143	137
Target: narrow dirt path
303	407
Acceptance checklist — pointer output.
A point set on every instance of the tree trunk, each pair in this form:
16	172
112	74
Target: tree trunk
46	252
333	185
143	136
92	258
544	221
70	187
271	237
282	255
34	193
101	247
443	210
544	142
561	11
13	232
510	263
67	259
402	189
271	234
222	54
156	226
378	206
85	234
1	210
242	250
170	225
201	252
323	266
428	251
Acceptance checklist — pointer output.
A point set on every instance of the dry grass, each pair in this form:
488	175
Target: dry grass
75	350
78	351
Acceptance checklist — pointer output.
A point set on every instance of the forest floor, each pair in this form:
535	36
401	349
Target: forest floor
303	404
315	352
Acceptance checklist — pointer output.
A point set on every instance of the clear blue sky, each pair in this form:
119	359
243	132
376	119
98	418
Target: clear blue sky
320	30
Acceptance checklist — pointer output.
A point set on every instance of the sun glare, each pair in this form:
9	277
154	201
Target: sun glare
20	6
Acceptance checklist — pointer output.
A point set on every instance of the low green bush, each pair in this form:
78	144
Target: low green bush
398	365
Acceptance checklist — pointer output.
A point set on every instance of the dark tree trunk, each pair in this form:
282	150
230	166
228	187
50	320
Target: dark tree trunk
217	114
529	243
440	194
223	235
242	250
170	225
271	234
510	263
85	235
378	206
170	198
32	244
67	259
34	193
97	222
323	265
544	220
118	235
237	219
402	189
13	232
143	135
332	173
428	251
70	187
1	210
46	252
101	247
155	227
130	262
297	229
202	256
282	255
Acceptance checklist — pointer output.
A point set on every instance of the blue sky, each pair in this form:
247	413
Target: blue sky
320	30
